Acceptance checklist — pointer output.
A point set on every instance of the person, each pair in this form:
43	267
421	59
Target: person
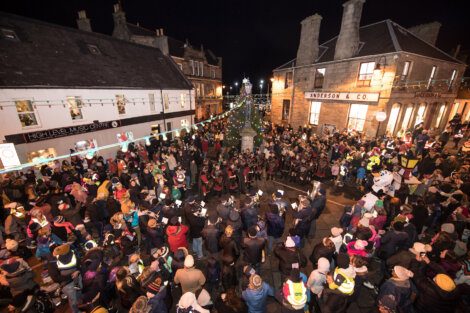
253	249
324	249
400	287
293	294
438	294
256	294
289	257
230	302
316	283
275	222
190	278
188	303
19	279
176	233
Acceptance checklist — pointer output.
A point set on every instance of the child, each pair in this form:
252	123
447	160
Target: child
361	174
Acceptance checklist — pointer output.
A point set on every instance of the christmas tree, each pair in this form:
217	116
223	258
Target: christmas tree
236	121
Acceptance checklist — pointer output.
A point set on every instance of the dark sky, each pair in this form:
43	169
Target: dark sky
252	36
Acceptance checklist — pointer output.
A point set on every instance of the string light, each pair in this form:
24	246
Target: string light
147	141
124	147
164	137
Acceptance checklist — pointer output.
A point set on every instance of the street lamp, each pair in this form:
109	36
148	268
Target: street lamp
380	117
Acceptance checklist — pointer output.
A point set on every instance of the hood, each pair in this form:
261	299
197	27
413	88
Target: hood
172	230
187	300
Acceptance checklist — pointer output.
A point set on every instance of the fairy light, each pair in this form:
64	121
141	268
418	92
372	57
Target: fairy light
124	147
147	141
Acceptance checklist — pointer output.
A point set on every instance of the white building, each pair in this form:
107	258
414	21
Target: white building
62	89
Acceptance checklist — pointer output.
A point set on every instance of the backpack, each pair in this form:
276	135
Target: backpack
295	294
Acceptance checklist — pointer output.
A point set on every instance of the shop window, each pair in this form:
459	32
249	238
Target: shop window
392	120
75	107
26	113
288	80
420	114
319	78
406	71
406	118
455	110
152	102
285	109
42	155
431	77
357	116
121	104
182	100
314	112
366	71
440	114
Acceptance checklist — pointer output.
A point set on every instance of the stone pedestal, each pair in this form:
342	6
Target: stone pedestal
247	135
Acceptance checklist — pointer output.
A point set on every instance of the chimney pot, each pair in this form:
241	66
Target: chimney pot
307	52
161	31
83	23
347	43
117	7
157	31
82	14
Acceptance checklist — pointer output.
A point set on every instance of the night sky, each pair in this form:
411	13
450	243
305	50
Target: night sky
253	37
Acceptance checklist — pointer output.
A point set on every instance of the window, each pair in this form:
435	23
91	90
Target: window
392	119
431	77
9	34
197	68
406	71
285	109
121	104
357	116
420	114
191	64
182	100
455	110
314	112
201	72
184	123
440	114
366	71
213	73
75	107
180	66
152	102
166	101
319	77
26	113
288	80
406	118
452	78
93	49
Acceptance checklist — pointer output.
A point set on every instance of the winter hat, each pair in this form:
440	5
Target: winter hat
364	221
289	242
152	223
444	282
229	231
255	281
448	228
379	203
11	245
140	305
342	260
61	250
336	231
189	261
90	244
360	244
154	286
323	265
402	273
419	247
160	253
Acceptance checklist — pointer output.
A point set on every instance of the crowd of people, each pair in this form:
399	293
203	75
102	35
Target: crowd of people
182	225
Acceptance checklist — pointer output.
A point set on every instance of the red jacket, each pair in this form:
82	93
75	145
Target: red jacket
177	237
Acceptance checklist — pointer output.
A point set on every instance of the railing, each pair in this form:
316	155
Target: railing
435	85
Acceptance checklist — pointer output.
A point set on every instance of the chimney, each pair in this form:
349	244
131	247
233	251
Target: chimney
427	32
120	30
348	39
308	46
83	23
157	32
161	32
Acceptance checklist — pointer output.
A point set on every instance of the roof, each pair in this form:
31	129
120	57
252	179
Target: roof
380	38
139	31
56	56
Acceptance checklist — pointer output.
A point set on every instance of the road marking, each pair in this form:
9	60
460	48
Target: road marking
293	188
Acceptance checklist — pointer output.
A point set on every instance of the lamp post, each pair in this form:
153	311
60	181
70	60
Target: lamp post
380	117
236	87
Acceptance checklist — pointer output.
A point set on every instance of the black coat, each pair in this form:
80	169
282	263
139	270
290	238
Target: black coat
432	299
211	235
275	224
287	257
230	251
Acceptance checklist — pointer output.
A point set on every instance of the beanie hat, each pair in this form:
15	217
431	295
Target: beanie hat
154	287
402	273
289	242
444	282
448	228
360	244
255	281
419	247
61	250
323	265
11	245
336	231
90	244
189	261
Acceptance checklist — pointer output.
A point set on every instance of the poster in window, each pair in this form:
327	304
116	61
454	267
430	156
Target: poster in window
8	155
121	104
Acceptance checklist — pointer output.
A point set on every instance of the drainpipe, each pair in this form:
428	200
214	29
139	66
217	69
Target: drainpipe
292	96
163	109
191	105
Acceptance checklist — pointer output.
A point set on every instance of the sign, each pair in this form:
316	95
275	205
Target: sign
344	96
427	94
68	131
8	155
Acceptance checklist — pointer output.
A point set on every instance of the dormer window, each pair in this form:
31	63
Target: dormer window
9	34
93	49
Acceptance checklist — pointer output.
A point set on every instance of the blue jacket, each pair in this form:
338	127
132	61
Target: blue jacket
256	298
157	302
275	224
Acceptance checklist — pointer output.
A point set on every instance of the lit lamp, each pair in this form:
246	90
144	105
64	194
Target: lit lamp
408	164
380	117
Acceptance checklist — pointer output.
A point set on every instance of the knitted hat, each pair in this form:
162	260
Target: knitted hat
323	265
402	273
189	261
229	231
255	281
336	231
152	223
444	282
419	247
61	250
289	242
379	203
11	245
154	287
448	228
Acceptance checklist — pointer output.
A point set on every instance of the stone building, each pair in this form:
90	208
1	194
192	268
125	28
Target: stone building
200	65
382	67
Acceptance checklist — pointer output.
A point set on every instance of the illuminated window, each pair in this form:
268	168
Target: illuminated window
288	80
26	113
152	102
319	77
201	70
440	115
452	78
182	100
42	155
392	120
406	71
166	101
285	109
455	109
431	77
121	104
406	118
75	107
314	112
366	71
420	114
357	116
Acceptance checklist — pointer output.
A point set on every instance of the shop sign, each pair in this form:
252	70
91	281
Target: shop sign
344	96
68	131
8	155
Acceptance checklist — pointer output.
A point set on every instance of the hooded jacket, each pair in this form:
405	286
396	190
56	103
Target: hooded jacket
21	277
432	299
177	237
256	298
188	303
